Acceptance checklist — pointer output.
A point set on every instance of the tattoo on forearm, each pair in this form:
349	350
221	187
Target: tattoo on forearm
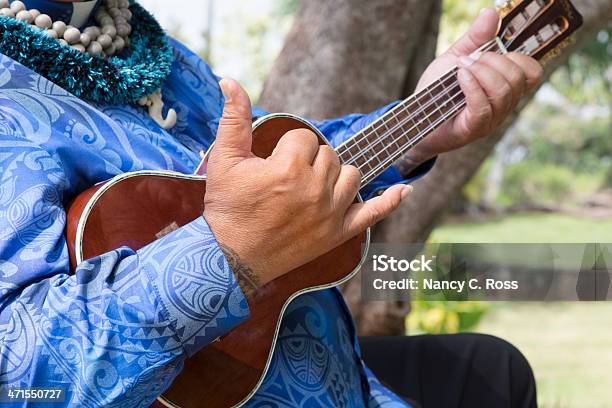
249	282
406	165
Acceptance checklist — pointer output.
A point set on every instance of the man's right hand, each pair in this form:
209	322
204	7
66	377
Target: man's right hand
279	213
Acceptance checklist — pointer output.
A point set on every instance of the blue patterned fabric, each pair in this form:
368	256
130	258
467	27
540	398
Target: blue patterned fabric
116	331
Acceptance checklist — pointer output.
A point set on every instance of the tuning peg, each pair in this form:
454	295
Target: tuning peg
502	4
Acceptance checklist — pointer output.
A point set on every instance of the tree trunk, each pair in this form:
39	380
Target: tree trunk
346	56
349	56
355	55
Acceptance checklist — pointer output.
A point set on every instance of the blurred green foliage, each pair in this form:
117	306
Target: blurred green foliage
444	317
527	181
560	150
288	7
443	312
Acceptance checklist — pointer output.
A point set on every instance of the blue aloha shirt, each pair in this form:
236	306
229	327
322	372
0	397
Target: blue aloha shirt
116	331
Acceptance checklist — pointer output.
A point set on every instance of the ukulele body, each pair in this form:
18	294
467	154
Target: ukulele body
135	209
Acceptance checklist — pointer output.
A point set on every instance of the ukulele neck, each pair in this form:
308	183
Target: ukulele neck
379	145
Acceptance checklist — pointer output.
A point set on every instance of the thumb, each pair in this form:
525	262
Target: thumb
481	31
363	215
234	136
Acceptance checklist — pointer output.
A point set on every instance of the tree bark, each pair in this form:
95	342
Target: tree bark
355	55
346	56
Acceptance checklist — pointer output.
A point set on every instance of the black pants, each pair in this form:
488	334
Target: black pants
446	371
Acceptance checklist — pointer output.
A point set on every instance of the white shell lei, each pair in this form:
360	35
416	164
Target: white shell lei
109	38
156	105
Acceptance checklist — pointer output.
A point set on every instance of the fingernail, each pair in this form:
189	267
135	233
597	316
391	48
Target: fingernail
476	55
224	90
466	61
406	191
464	75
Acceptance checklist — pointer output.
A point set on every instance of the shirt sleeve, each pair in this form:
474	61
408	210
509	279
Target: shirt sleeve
340	129
116	331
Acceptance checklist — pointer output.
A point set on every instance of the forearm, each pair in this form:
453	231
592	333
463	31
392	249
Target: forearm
126	320
409	162
248	281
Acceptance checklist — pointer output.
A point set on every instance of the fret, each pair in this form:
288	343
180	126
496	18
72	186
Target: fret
431	107
346	147
411	128
386	127
364	165
396	130
422	118
368	136
417	121
375	156
393	119
375	160
349	150
432	104
450	82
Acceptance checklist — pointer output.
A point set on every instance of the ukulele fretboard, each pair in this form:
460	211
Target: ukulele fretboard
383	142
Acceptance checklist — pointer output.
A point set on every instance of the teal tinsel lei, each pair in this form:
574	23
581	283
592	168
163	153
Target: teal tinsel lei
138	71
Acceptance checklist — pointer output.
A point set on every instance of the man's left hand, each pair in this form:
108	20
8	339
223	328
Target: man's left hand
493	85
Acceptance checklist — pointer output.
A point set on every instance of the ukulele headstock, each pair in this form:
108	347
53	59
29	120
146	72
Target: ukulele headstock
538	28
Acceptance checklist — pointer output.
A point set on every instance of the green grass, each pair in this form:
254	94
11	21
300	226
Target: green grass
569	346
530	227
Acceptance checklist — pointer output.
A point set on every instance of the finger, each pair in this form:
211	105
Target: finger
301	144
234	137
531	68
494	84
508	69
363	215
481	31
476	118
327	165
347	187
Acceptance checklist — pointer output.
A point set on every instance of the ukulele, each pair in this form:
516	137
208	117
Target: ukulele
145	205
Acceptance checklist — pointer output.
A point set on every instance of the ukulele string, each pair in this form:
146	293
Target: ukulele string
521	50
355	140
518	31
418	138
370	175
422	135
411	117
446	95
380	122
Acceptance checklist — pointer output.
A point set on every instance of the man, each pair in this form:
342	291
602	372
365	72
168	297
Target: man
116	330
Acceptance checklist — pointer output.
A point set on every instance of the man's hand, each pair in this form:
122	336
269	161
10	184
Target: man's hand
493	85
273	215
